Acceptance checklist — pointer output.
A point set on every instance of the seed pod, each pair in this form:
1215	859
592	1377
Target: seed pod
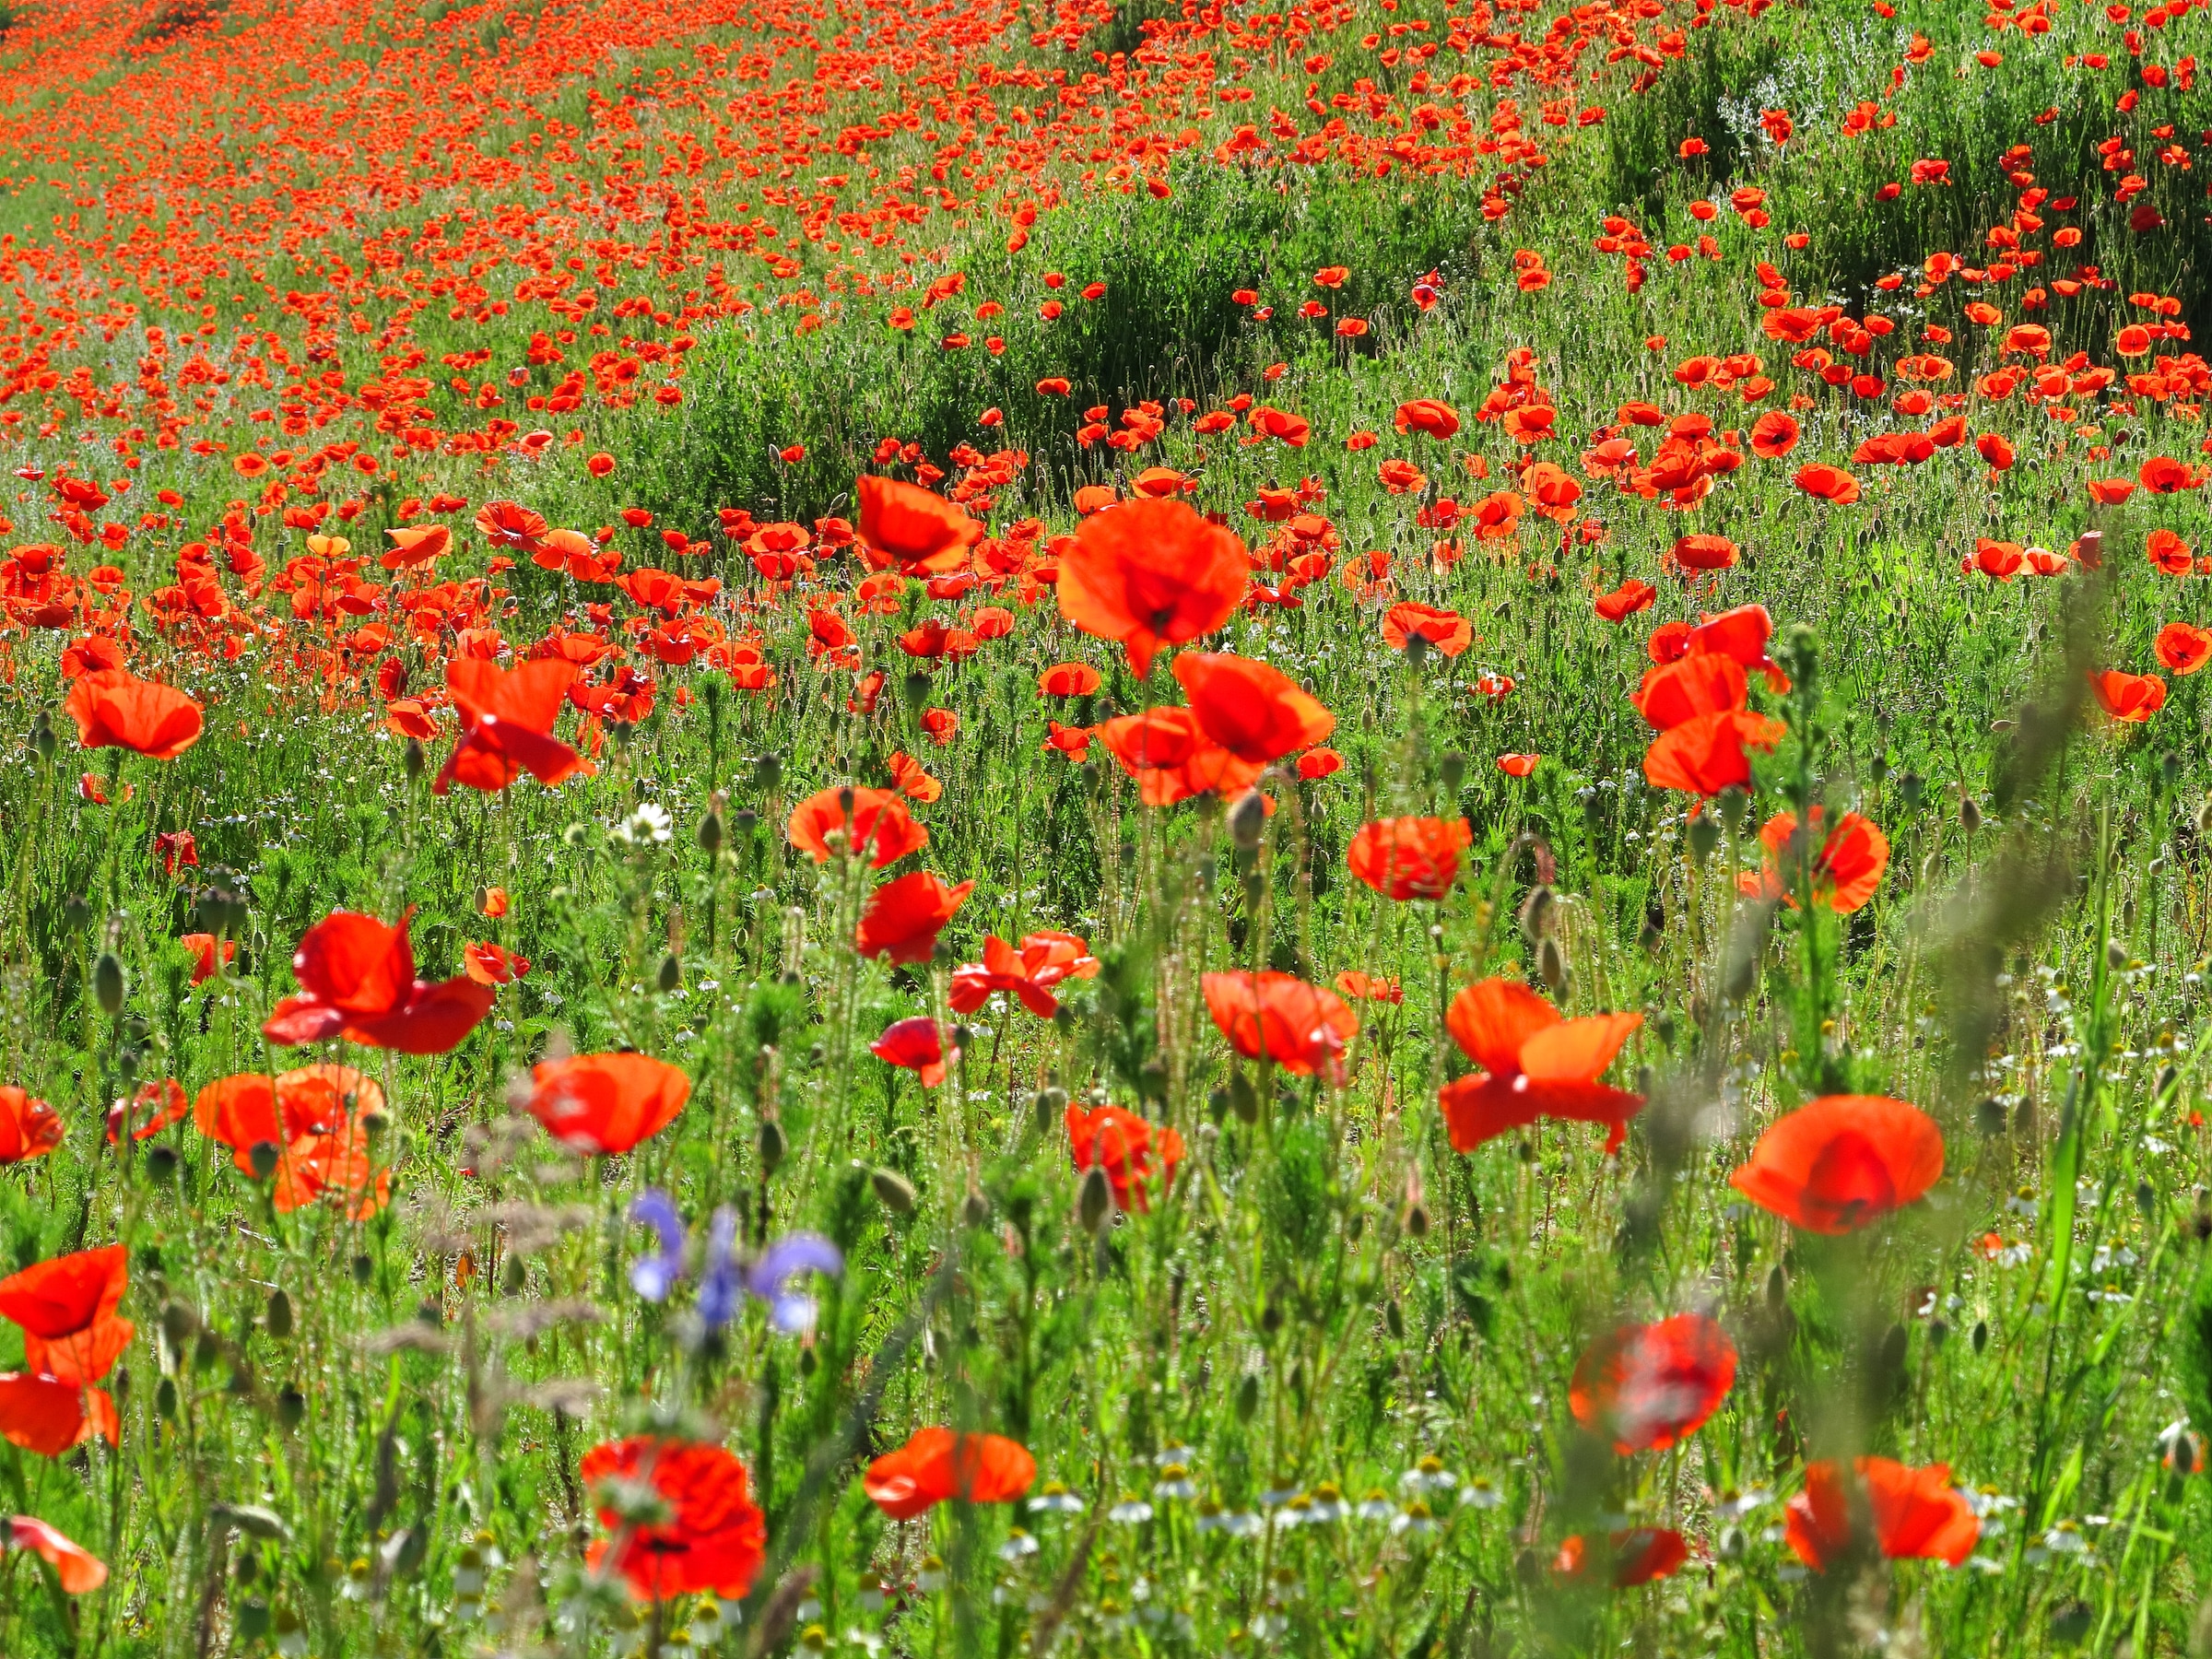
710	833
1704	836
107	983
893	1190
1538	911
1243	1099
975	1210
1394	1320
768	774
1247	1398
1980	1336
1969	814
1094	1200
291	1408
1451	771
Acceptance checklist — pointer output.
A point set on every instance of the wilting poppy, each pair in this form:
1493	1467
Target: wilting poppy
67	1307
904	917
874	820
1152	573
1913	1514
507	723
705	1532
1254	712
29	1128
913	1045
1846	871
1133	1152
907	526
357	981
2184	647
1409	858
1640	1555
1647	1386
1841	1162
1534	1063
114	708
605	1104
76	1569
2132	698
1280	1017
49	1417
936	1465
1447	633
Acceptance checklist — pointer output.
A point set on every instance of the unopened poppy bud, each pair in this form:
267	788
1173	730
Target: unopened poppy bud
770	1145
1416	649
1537	912
165	1398
1803	650
1451	771
292	1409
1969	814
913	690
672	972
161	1163
263	1156
1551	965
1704	835
2115	954
1989	1116
279	1318
412	759
1248	818
1094	1201
364	1267
1778	1289
77	915
1247	1398
768	774
1243	1099
2170	769
107	983
893	1190
1909	788
43	742
1978	1335
710	834
178	1323
975	1210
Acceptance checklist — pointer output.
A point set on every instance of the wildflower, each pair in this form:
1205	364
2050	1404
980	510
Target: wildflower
605	1105
29	1128
1841	1162
1913	1512
1152	573
115	709
1409	858
874	823
1132	1152
507	725
1534	1064
1648	1387
904	917
357	981
1846	871
77	1569
936	1465
1638	1555
914	1045
1280	1017
682	1515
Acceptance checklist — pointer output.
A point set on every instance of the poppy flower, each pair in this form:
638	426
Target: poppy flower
1996	451
1409	858
66	1308
2110	492
2184	647
704	1533
76	1569
1640	1555
1913	1514
911	528
152	1108
2162	474
1829	483
1773	434
1534	1063
1041	961
2132	698
1068	679
604	1105
1704	553
1172	759
1846	871
2169	553
252	1107
507	725
904	917
1447	631
1429	414
357	981
490	964
1152	573
114	708
936	1465
1518	765
874	821
1710	752
913	1045
1280	1017
1625	601
1256	713
1648	1387
1363	986
48	1417
1319	763
203	948
415	544
29	1128
1841	1162
1133	1152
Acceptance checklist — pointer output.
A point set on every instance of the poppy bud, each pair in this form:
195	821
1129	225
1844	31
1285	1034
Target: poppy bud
1969	814
1052	1105
1704	835
279	1320
893	1190
165	1398
915	691
263	1156
2170	769
1990	1116
1733	1544
412	759
77	915
107	982
2147	1199
2167	1076
178	1323
1909	788
514	1278
1094	1202
768	774
1247	818
1451	771
1803	649
672	972
161	1163
1537	912
744	820
292	1409
2116	955
207	1350
1394	1319
1416	650
364	1267
253	1617
42	741
1094	776
1247	1398
975	1210
1551	965
1778	1289
770	1145
1243	1099
710	833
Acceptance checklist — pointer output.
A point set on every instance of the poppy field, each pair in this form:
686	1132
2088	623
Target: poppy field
1353	827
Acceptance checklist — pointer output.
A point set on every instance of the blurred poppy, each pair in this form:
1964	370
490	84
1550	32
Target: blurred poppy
936	1465
904	917
48	1417
1133	1152
1625	601
874	821
913	1044
115	709
1910	1513
1842	1162
1534	1064
29	1128
1648	1386
1518	765
153	1108
66	1308
357	981
604	1105
1363	986
202	947
1152	573
1846	871
490	964
682	1516
1638	1555
507	723
1280	1017
75	1568
911	528
1409	858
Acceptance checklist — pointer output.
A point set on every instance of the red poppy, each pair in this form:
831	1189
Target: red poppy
1068	679
2162	474
1913	1514
1704	553
511	527
1534	1064
1698	703
67	1307
1648	1386
76	1569
1429	414
1133	1152
1363	986
48	1417
1319	763
1741	636
1152	573
1829	483
1172	759
357	981
1841	1162
415	544
2132	698
507	723
490	964
2169	553
605	1104
202	947
1409	858
1518	765
1446	630
154	1108
1846	872
910	528
1280	1017
315	1118
705	1532
2110	492
1638	1555
904	917
874	821
1625	601
1773	435
115	709
914	1045
936	1465
2184	647
29	1128
1994	450
1255	712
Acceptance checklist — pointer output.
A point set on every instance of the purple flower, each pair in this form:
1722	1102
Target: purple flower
653	1277
726	1278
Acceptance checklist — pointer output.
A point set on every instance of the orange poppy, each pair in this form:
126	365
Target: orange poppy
914	1045
1773	434
1255	712
76	1569
706	1535
1429	414
936	1465
1638	1555
1829	483
1841	1162
1133	1152
114	708
357	981
1625	601
1152	573
874	822
1068	679
490	964
29	1128
202	947
910	528
1534	1063
1280	1017
1171	757
1648	1386
1913	1514
415	544
48	1417
507	723
152	1108
2184	647
603	1105
2132	698
1519	766
1710	752
1846	871
1447	631
67	1309
1409	858
1704	553
904	917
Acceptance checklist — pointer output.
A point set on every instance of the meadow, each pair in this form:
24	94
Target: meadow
1353	827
